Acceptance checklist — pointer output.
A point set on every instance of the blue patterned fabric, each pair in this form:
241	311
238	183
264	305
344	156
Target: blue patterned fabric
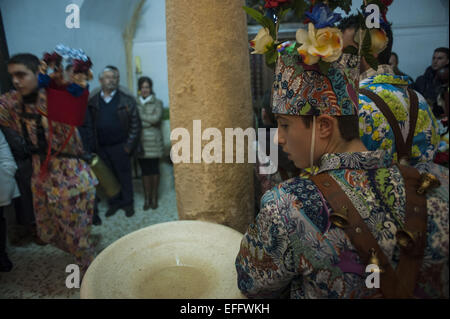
376	132
292	245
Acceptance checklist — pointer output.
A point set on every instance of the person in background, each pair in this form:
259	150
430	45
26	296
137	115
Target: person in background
112	129
393	61
150	110
442	100
23	205
428	84
393	90
8	191
64	190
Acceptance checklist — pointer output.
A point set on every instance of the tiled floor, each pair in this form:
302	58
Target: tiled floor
39	271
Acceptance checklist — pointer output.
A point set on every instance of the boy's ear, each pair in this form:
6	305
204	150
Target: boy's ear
326	125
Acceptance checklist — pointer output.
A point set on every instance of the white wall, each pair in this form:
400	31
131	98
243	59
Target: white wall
37	26
150	45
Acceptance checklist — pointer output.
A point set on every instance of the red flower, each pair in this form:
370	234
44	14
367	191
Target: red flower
274	3
52	58
386	3
80	66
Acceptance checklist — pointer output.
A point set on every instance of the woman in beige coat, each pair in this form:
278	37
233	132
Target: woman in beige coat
150	110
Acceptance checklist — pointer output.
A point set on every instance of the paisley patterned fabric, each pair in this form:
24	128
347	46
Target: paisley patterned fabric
292	247
63	200
301	89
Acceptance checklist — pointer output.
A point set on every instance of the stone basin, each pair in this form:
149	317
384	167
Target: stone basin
174	260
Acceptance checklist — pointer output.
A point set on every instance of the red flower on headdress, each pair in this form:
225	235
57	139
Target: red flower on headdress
80	66
52	58
274	3
387	3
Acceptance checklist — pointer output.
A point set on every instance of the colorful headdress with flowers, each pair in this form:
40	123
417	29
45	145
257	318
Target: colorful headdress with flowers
315	74
66	100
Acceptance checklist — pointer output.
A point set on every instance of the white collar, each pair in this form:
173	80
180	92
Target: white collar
102	94
149	98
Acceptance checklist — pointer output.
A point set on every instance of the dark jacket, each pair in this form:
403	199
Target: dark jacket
427	84
128	115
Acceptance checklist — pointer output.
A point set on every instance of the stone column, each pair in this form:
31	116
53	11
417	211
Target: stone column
209	80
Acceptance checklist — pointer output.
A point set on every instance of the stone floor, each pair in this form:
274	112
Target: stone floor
39	271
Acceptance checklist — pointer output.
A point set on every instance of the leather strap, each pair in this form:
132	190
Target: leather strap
393	284
416	223
403	148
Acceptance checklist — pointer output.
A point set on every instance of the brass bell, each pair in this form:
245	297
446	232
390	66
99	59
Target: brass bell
427	181
404	161
406	239
340	218
373	259
107	182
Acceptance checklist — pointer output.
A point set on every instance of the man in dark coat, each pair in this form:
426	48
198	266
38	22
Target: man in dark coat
428	84
112	130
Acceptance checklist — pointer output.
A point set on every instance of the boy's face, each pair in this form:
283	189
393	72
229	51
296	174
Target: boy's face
295	139
24	80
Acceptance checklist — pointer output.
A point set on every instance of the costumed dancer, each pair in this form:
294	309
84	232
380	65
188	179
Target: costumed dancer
45	110
355	214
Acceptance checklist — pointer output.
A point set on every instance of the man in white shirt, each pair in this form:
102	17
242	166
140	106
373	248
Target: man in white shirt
112	130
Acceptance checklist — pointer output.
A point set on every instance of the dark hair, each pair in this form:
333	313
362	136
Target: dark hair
443	50
348	126
385	55
350	22
396	56
31	61
68	67
144	79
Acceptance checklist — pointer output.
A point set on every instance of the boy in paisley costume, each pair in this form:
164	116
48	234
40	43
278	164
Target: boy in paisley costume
62	184
316	233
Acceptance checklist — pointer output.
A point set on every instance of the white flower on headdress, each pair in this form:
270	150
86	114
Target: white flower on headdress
262	42
325	44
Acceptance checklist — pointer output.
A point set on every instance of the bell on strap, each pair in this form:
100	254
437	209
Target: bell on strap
427	181
373	260
406	239
340	217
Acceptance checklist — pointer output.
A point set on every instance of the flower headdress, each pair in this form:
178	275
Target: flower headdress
322	42
81	63
66	101
315	74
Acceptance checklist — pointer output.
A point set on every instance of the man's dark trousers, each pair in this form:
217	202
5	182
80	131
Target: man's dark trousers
118	161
